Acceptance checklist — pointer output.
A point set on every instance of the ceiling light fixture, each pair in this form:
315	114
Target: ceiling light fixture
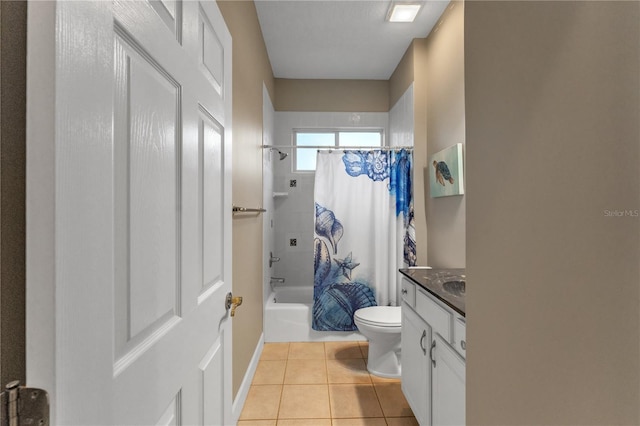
403	11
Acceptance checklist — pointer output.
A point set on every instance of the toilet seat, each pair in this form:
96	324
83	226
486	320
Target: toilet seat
380	316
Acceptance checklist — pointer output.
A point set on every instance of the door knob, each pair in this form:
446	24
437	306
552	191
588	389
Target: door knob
232	303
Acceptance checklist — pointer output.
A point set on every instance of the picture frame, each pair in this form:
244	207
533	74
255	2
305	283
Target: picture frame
446	172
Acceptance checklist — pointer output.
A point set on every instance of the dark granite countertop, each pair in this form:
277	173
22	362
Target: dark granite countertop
432	281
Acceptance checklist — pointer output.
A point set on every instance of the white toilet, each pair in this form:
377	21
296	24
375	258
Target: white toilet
381	326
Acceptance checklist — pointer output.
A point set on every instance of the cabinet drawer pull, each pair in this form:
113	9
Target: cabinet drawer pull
424	334
404	291
433	346
463	345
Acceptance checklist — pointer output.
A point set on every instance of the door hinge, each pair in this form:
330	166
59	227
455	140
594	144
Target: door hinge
22	406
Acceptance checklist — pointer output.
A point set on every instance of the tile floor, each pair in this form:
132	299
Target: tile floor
322	384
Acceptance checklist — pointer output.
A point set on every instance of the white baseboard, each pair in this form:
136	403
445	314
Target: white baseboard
241	396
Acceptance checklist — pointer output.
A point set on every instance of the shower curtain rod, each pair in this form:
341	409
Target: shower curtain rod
384	148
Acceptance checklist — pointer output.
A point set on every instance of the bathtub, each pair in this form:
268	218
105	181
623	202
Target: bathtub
287	318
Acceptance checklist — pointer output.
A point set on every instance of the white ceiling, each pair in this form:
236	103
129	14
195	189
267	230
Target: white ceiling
339	39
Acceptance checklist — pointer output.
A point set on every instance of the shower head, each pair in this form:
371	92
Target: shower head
283	155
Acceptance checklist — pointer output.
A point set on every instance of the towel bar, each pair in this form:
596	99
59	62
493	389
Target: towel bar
237	209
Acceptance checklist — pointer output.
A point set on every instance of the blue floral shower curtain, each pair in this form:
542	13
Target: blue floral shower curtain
363	232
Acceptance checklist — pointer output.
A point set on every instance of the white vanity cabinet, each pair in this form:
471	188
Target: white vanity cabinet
433	363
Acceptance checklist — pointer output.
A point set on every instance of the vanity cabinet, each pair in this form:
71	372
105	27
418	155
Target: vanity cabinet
433	363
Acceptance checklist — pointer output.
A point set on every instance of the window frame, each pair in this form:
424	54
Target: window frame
336	132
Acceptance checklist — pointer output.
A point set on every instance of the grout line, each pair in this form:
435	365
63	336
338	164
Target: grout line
378	398
326	371
286	365
281	393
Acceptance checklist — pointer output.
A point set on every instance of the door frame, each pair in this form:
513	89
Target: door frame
13	36
41	221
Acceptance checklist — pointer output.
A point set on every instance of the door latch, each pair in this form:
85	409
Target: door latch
22	406
232	303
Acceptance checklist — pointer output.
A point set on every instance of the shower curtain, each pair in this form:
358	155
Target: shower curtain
363	232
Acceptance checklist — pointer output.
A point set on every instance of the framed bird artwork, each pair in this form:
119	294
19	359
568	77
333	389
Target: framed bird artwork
446	172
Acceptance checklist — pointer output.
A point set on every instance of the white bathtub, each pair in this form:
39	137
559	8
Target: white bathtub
287	318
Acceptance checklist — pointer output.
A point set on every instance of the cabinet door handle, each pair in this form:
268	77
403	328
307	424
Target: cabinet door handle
424	334
463	345
433	346
404	291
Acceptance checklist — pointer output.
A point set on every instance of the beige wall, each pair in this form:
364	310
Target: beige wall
13	36
552	108
445	116
401	78
251	68
419	47
332	95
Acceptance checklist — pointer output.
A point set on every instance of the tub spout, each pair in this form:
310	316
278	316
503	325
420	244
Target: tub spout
274	280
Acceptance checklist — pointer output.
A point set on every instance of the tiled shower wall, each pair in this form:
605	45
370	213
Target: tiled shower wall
293	217
401	120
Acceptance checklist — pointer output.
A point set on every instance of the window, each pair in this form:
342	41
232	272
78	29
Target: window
305	158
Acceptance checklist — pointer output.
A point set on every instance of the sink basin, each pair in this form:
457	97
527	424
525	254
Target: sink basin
457	288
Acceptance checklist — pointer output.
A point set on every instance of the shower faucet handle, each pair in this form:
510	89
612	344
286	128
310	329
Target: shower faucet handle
272	259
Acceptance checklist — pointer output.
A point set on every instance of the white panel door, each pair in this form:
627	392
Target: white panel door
129	211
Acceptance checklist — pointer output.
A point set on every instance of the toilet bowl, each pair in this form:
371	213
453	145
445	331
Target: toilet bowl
381	326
